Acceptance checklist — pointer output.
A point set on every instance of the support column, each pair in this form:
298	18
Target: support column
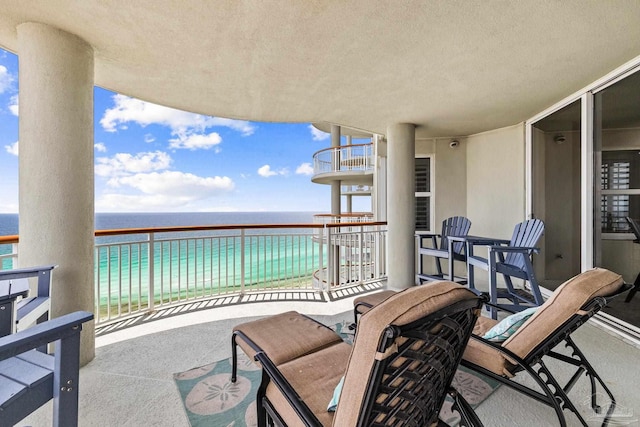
401	206
56	181
349	197
335	185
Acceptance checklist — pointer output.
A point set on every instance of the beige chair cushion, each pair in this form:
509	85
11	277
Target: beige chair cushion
314	377
372	300
399	309
296	335
564	303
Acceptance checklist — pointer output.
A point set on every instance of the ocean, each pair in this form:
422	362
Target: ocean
106	221
192	264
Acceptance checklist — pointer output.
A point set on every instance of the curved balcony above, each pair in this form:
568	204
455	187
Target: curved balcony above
351	164
356	190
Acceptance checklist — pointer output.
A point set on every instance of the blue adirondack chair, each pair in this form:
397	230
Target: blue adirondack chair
30	378
454	226
511	258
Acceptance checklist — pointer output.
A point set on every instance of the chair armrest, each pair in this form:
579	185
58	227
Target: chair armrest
271	370
42	334
426	234
21	273
529	250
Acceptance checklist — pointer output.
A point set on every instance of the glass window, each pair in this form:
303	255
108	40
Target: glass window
423	193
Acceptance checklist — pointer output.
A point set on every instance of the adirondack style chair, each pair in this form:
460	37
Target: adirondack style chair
30	378
35	308
454	226
635	227
511	258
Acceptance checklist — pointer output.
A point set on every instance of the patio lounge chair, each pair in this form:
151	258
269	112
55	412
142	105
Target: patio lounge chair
397	373
453	226
511	258
30	378
533	343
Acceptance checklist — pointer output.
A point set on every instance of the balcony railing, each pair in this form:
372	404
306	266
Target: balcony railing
346	158
138	270
343	218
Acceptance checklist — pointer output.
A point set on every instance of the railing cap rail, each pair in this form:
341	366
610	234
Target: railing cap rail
342	147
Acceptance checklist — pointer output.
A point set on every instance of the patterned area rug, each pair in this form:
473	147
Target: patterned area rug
211	399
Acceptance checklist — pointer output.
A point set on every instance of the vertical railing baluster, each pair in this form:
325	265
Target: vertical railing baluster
242	260
361	254
152	277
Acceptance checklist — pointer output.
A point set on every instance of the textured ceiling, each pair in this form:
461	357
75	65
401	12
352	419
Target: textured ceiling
451	67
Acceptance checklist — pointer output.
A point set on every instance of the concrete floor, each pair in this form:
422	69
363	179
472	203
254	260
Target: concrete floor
130	382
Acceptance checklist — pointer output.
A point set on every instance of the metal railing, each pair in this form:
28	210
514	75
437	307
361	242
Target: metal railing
343	218
139	270
346	158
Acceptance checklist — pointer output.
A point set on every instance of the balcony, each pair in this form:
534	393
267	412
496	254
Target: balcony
159	271
351	164
130	382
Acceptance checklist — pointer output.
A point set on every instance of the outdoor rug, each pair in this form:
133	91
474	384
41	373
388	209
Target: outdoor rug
211	399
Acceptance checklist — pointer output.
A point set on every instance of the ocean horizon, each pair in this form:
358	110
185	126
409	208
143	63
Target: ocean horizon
202	261
117	220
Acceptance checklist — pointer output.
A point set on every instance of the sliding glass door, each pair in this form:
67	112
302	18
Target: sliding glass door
617	185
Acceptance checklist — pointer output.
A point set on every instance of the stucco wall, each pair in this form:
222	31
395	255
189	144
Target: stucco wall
496	181
450	176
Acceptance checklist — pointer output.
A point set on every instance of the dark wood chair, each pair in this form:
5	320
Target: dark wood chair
30	378
635	227
511	258
455	226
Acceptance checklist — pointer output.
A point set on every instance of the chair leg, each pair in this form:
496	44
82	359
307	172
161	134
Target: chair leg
234	358
493	286
468	417
632	292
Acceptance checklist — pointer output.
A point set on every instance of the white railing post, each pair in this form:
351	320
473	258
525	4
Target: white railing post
361	255
151	262
329	258
242	266
14	258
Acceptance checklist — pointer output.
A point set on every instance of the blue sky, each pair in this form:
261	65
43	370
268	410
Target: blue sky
150	158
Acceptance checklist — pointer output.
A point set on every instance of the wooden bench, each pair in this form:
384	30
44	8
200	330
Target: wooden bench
30	378
33	309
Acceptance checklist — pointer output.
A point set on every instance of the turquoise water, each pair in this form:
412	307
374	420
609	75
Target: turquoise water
194	264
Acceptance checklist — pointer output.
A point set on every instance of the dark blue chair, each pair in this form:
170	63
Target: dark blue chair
511	258
30	378
455	226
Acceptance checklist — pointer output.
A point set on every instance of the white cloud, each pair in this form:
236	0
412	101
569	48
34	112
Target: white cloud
304	169
176	184
149	138
317	134
181	123
6	79
265	171
125	163
12	149
100	147
196	141
14	106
